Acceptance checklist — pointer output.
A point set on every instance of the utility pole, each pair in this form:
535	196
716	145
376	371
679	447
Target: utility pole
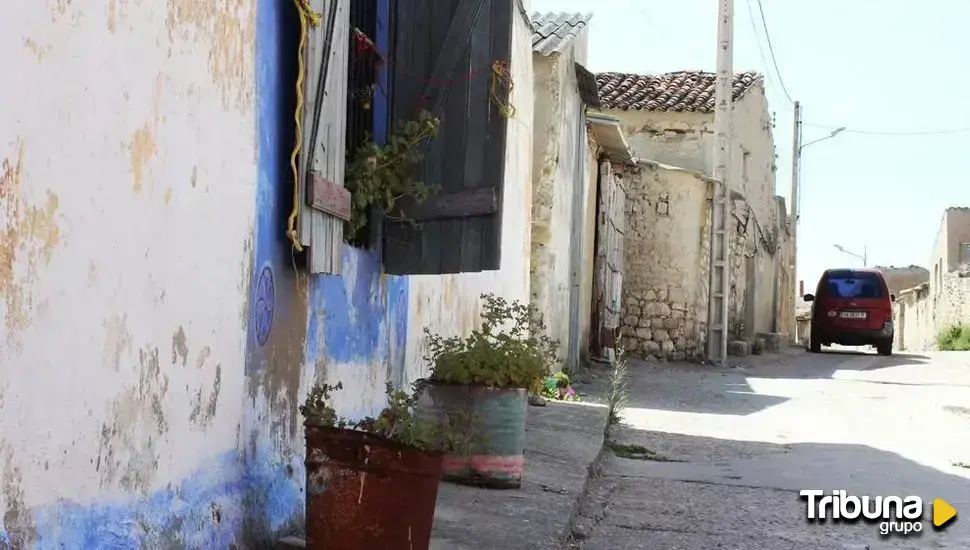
796	154
720	277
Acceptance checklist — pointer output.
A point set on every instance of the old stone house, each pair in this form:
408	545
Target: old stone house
921	312
574	246
669	119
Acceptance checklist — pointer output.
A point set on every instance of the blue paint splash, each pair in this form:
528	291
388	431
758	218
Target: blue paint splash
354	318
207	509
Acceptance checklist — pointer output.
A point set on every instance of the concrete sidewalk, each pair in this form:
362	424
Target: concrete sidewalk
563	441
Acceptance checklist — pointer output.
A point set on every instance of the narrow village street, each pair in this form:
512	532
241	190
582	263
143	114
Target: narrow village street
711	458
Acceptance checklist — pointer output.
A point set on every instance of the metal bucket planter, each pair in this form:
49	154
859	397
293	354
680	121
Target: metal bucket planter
366	492
496	459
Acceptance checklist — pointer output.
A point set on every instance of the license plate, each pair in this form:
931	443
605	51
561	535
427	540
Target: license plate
853	314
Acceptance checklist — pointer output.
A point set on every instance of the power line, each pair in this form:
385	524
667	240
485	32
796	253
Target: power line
757	40
880	133
771	50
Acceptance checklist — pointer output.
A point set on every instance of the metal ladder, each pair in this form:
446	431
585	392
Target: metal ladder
720	277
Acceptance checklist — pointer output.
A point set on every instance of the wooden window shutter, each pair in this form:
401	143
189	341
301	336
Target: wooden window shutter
325	203
443	55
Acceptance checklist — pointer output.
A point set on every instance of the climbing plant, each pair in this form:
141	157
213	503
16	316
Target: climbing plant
382	174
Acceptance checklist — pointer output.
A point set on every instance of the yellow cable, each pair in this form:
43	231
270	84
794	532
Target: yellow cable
306	15
501	74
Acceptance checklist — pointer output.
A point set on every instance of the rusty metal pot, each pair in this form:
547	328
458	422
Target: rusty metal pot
367	492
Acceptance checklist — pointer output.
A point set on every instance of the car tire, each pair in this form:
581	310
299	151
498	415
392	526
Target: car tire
814	345
885	348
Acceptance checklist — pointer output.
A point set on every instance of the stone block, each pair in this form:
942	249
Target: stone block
662	294
656	322
643	322
631	320
741	348
650	296
772	340
677	295
680	344
678	305
667	347
678	314
661	335
671	323
650	347
643	333
653	309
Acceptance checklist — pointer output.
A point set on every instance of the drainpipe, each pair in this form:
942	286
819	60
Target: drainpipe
576	244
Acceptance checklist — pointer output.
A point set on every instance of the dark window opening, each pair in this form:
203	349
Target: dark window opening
853	284
362	65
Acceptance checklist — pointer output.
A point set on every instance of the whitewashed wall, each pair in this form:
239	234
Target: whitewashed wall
126	212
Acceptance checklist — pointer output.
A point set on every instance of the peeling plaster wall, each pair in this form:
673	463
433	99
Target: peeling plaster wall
450	304
666	263
554	166
126	214
921	313
686	140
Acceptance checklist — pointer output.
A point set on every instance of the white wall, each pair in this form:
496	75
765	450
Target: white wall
450	304
127	192
557	156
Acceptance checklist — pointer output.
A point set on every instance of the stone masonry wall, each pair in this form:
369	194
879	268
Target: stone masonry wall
665	273
656	324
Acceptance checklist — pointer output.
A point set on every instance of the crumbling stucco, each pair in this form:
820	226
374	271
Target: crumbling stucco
29	234
227	28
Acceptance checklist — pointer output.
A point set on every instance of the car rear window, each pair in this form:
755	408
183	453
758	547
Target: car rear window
853	284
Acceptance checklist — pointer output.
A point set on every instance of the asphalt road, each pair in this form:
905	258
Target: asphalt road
710	457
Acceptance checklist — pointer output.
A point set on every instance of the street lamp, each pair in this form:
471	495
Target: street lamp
834	133
864	257
796	168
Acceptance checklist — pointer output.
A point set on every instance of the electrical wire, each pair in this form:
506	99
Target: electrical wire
879	133
771	50
761	51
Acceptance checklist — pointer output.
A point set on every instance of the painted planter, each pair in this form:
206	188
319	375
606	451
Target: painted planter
496	460
366	492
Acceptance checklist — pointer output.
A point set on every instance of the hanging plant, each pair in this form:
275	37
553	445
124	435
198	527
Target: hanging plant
382	174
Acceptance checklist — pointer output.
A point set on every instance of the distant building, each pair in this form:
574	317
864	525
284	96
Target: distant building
902	278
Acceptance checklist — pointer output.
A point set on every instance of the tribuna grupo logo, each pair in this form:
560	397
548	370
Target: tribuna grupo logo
903	515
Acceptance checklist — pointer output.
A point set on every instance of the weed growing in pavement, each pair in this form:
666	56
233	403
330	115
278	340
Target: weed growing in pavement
617	393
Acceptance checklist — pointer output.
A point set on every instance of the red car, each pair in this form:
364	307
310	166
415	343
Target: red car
852	307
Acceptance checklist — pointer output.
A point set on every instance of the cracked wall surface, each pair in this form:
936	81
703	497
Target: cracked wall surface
127	177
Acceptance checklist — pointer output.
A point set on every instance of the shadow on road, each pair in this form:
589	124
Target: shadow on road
713	389
704	492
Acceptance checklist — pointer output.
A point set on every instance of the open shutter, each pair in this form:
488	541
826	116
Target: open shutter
443	54
325	203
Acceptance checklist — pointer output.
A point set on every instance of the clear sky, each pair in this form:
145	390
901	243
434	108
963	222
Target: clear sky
880	66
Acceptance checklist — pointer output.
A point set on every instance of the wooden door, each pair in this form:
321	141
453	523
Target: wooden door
611	225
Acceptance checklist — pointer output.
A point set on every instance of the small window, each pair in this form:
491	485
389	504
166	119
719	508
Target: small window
745	163
853	284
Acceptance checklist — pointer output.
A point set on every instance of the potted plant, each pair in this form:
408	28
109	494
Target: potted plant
373	483
487	375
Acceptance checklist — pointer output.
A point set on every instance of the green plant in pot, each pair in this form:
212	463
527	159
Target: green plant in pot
373	483
487	375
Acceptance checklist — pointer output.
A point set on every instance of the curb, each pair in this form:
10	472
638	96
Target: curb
593	470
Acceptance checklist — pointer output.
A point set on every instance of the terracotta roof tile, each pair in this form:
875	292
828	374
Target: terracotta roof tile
691	91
